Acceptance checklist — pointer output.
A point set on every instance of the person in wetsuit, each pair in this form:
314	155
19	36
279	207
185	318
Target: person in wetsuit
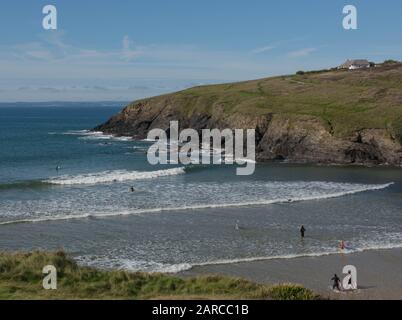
302	231
336	284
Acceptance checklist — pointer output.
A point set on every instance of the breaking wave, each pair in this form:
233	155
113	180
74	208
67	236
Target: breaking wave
157	267
94	135
113	176
153	174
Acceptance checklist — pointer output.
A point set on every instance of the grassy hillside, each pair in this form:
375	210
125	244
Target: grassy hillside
346	100
21	278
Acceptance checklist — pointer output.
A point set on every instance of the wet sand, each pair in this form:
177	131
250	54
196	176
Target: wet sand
379	273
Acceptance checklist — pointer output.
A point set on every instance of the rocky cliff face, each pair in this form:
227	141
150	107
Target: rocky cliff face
278	137
294	136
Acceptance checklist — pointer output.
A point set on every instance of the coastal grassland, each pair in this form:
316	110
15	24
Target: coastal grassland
347	101
21	278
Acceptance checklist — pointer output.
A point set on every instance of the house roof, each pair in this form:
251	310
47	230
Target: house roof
356	62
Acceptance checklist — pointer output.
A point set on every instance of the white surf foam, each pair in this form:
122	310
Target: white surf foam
113	176
154	174
152	267
96	135
385	246
149	140
131	265
81	132
102	136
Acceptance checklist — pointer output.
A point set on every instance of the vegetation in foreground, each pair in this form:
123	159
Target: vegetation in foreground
21	278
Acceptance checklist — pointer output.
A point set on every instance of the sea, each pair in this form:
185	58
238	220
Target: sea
63	186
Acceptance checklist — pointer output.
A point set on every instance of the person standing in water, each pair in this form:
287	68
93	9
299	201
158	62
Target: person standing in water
302	231
336	284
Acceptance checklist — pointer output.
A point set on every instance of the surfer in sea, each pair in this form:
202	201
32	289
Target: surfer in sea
342	245
132	189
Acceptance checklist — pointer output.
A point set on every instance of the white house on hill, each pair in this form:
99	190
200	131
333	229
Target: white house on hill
355	64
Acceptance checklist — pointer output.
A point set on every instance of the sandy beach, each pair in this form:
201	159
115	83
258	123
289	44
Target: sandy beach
379	273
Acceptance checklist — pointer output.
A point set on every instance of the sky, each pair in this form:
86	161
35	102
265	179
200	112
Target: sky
123	50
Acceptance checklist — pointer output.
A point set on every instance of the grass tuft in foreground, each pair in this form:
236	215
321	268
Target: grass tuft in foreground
21	278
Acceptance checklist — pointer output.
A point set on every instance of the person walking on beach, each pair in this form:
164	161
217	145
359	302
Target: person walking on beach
302	231
337	282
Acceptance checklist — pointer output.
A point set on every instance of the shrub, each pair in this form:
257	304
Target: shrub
390	61
291	292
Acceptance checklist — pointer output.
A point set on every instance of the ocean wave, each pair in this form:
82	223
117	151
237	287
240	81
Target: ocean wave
29	184
81	132
113	176
157	267
106	137
384	246
99	215
131	265
95	135
149	140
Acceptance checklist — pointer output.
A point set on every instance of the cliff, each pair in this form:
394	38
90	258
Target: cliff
343	117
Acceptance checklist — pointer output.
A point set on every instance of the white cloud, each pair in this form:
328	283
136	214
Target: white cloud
51	62
39	54
53	57
302	52
263	49
128	52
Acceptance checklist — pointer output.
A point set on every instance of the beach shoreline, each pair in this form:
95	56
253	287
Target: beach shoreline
378	273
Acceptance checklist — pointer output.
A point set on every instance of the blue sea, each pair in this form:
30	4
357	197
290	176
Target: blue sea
63	186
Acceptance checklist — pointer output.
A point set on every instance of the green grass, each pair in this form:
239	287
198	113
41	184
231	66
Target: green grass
347	100
21	278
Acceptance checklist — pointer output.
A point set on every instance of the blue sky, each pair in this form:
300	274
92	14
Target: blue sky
124	50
